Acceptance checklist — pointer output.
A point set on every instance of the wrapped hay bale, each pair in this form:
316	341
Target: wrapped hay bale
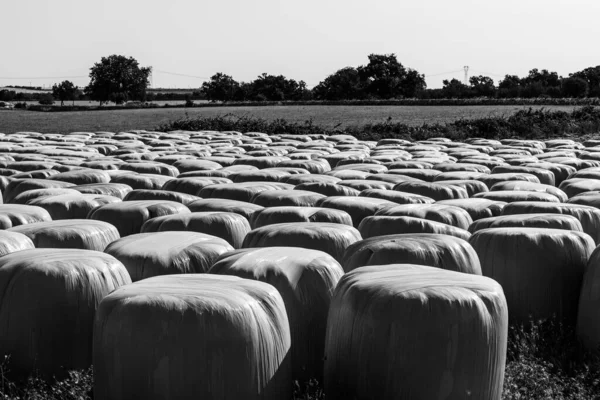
141	181
82	234
588	319
346	174
544	175
357	207
423	174
226	225
333	239
471	186
242	208
280	198
327	189
145	194
591	199
261	162
547	221
107	189
512	196
241	191
277	215
306	280
68	206
433	190
492	179
450	215
193	185
430	249
575	186
476	207
221	337
18	186
82	176
588	216
396	197
262	175
19	214
310	178
60	290
189	165
379	225
560	171
165	253
29	195
314	166
391	329
11	242
129	216
530	186
540	270
154	168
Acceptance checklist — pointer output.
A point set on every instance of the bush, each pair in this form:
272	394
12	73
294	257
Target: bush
46	100
22	105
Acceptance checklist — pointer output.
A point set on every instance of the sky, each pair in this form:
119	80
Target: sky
46	41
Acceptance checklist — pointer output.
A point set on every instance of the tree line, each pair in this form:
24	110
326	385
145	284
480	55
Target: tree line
121	79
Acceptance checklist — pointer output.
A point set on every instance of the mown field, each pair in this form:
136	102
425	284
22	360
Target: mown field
327	116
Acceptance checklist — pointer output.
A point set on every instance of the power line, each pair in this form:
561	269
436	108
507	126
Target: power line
178	74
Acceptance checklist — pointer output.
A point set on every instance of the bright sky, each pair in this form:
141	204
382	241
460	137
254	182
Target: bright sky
303	40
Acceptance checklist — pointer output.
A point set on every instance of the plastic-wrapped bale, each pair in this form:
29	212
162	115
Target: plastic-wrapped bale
396	196
364	184
476	207
346	174
229	226
310	178
450	215
591	199
67	206
154	168
586	173
146	194
541	270
279	198
82	234
306	280
19	214
530	186
492	179
142	181
511	196
576	186
129	216
82	176
278	215
189	165
432	190
471	186
241	191
560	171
379	225
588	319
18	186
11	242
262	175
427	175
194	185
391	329
29	195
588	216
40	174
328	189
59	289
544	175
314	166
547	221
108	189
357	207
242	208
457	176
333	239
165	253
430	249
198	336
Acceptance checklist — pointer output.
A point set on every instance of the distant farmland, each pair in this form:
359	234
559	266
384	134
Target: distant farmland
327	116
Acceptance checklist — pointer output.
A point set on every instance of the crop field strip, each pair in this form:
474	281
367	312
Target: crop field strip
205	264
12	121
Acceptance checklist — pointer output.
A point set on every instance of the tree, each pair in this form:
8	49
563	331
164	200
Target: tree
65	90
574	87
413	83
482	86
510	86
277	88
119	79
220	87
344	84
383	76
592	77
46	99
455	89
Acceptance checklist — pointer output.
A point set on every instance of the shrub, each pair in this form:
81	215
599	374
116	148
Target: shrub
46	100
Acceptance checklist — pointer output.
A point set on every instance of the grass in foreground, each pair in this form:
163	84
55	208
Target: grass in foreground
544	361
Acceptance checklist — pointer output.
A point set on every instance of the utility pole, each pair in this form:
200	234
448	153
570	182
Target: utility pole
466	68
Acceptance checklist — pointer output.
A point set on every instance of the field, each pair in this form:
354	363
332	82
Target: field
327	116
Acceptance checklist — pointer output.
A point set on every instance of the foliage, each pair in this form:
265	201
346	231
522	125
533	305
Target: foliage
65	90
220	87
118	79
343	84
46	100
574	87
592	77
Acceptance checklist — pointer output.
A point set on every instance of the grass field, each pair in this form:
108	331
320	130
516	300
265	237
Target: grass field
329	116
